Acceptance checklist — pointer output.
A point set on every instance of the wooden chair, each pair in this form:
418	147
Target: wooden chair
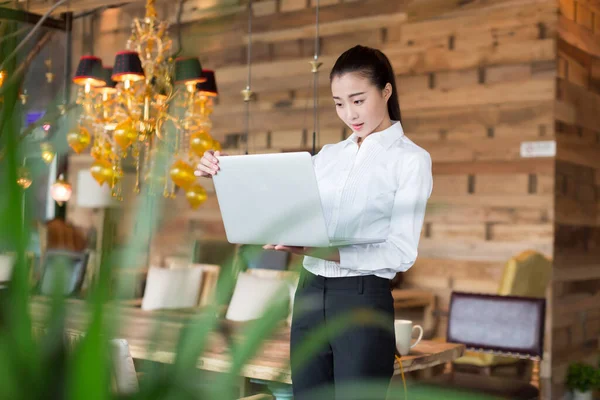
61	235
124	378
526	275
124	375
73	265
208	284
508	326
215	252
256	257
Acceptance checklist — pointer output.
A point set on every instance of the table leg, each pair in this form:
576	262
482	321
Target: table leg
428	321
281	391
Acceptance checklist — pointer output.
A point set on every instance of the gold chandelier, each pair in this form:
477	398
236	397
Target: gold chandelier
149	106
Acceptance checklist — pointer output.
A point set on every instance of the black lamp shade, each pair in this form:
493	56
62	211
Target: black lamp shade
89	71
209	87
188	70
128	66
110	85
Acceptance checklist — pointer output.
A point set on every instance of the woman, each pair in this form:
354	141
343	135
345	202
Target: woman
375	184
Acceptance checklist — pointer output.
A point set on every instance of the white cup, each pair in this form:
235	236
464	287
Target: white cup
404	330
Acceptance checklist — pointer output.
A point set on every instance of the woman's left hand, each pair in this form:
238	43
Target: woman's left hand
324	253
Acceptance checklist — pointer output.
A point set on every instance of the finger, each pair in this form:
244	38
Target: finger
210	155
289	249
206	160
211	166
206	171
268	247
200	173
200	170
205	165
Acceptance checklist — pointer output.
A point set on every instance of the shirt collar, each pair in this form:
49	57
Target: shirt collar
385	137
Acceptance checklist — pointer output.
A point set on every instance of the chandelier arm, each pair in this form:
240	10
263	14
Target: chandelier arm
165	117
138	27
125	109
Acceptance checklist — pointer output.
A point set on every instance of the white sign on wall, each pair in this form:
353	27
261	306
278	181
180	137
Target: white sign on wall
545	148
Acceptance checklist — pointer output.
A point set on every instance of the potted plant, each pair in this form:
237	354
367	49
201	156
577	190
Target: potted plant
582	379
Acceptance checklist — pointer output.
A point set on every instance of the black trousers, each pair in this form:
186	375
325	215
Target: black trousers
350	359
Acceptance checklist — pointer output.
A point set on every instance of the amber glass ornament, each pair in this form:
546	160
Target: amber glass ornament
125	134
195	195
200	142
103	172
182	174
79	140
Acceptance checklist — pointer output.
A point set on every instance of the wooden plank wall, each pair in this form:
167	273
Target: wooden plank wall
576	311
475	80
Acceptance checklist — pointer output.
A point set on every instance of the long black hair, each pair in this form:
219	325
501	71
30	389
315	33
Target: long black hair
374	65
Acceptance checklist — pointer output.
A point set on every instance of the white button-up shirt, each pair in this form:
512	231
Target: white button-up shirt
377	190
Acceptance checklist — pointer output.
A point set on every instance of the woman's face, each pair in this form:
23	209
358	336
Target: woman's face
360	104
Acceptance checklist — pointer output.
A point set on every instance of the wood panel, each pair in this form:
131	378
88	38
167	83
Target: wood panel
576	294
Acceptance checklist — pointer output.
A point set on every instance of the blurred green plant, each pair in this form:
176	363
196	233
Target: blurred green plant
582	377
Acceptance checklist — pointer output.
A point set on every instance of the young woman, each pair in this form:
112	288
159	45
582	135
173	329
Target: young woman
374	184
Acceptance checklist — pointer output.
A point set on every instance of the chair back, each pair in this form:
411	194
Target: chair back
216	252
527	274
255	257
208	283
71	265
62	235
504	325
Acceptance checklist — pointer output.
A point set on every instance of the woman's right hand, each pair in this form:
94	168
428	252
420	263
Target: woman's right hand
209	164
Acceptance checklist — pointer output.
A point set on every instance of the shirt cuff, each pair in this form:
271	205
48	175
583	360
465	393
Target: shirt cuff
348	257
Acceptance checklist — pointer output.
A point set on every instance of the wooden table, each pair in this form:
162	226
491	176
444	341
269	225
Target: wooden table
271	363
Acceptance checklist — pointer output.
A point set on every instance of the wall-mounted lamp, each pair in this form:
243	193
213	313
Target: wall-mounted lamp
61	190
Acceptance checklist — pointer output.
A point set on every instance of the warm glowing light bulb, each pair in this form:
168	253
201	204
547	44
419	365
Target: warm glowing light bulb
24	178
47	152
61	190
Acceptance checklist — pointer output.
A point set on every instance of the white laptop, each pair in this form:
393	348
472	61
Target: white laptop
274	199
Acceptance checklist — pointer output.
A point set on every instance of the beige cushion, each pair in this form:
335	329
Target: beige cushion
484	359
253	294
172	288
7	262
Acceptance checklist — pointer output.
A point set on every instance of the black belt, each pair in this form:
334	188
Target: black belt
345	283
